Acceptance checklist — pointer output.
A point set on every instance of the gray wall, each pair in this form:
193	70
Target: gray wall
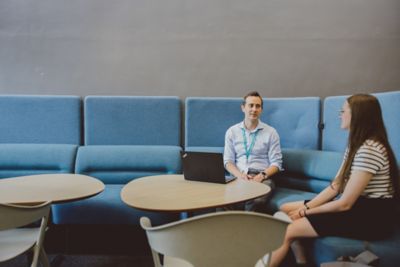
199	47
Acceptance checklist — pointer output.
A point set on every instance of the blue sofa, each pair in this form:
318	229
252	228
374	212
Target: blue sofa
119	138
125	137
312	150
39	134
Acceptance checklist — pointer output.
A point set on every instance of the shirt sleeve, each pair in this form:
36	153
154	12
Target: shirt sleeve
368	158
229	149
275	153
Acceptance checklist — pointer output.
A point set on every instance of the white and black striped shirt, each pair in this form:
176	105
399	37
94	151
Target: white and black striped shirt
372	157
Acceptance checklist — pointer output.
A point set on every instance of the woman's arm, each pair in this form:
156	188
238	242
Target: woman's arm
354	188
293	208
324	196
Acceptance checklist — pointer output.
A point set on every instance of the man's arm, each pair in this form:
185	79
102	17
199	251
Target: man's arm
230	167
275	159
266	174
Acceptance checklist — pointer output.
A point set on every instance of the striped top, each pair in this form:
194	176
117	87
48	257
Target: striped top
372	157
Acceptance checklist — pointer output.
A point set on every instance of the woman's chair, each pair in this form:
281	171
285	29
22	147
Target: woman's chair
230	238
14	241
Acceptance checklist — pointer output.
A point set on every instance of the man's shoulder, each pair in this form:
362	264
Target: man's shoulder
267	127
235	126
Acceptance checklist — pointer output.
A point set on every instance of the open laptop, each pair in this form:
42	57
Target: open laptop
204	167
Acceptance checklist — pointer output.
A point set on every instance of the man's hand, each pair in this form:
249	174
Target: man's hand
245	177
258	178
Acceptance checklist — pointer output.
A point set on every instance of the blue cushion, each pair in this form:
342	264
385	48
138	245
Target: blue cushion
390	103
283	195
132	120
210	149
208	118
28	159
105	208
40	119
318	164
295	119
121	164
335	139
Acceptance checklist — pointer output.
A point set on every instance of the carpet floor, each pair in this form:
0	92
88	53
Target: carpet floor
87	261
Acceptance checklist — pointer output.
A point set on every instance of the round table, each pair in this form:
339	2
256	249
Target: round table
57	188
172	193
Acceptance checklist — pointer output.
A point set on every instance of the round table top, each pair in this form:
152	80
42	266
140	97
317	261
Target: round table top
48	187
175	194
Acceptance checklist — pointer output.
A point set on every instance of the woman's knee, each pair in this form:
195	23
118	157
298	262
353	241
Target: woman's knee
289	206
299	229
285	207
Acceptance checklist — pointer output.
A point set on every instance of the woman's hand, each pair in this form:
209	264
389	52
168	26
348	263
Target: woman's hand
297	213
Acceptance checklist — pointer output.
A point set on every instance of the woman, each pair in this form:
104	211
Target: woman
360	201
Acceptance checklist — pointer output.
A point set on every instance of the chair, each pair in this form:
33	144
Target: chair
230	238
14	241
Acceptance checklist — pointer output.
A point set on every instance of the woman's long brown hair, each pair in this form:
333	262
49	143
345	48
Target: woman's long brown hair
367	123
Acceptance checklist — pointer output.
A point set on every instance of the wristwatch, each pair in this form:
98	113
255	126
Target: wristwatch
265	175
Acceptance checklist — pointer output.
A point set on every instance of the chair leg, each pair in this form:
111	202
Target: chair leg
43	258
35	256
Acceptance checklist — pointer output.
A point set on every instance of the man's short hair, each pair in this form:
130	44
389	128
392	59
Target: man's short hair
252	93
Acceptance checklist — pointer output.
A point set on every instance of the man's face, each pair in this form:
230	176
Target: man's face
252	108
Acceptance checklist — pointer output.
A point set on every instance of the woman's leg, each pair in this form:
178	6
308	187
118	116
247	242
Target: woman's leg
290	206
297	229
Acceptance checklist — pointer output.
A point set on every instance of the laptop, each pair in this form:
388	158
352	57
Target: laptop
204	167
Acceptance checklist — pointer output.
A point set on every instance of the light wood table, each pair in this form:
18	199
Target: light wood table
174	193
57	188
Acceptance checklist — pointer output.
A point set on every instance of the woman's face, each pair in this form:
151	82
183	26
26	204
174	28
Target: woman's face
345	116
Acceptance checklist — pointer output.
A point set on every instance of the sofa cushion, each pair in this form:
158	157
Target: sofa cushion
105	208
308	170
335	139
132	120
295	119
211	149
121	164
40	119
283	195
28	159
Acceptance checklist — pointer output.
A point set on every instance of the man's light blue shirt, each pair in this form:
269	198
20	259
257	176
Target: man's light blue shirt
266	151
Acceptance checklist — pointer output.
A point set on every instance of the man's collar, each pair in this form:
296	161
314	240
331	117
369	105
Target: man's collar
259	126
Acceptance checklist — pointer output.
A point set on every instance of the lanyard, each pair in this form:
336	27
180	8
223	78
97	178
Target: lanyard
248	150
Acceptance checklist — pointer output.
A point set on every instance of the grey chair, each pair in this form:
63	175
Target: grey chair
230	238
15	241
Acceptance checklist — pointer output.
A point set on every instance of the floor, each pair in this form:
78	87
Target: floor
96	246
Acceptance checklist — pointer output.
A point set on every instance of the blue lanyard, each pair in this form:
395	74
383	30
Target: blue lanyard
248	150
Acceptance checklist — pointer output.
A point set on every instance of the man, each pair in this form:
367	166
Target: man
252	149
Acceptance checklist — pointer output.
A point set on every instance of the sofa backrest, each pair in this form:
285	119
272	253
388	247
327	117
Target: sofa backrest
208	118
335	139
41	119
308	170
132	120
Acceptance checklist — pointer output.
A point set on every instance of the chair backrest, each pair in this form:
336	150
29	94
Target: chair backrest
14	216
231	238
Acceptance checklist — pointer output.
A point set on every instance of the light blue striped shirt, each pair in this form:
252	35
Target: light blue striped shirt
266	151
